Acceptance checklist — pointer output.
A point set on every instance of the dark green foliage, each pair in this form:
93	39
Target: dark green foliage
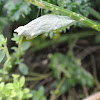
15	38
3	22
16	9
97	38
14	90
79	6
2	55
23	68
39	94
71	68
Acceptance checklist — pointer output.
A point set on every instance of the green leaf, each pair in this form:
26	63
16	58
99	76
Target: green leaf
1	79
22	81
39	94
28	95
16	83
7	92
26	90
23	68
25	46
2	55
10	86
20	95
58	64
15	38
2	40
13	94
15	49
2	84
15	76
41	90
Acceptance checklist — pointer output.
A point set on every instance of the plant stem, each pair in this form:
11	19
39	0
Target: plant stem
73	15
30	79
19	47
35	78
8	57
55	93
39	75
64	38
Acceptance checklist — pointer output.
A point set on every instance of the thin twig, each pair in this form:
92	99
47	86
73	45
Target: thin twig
55	95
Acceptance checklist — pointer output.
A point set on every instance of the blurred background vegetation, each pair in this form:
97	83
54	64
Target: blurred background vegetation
69	60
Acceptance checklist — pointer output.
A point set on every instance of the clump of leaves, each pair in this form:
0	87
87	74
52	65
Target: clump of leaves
79	6
14	90
70	67
39	94
17	8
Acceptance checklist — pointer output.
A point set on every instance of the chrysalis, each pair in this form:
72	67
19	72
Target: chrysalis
44	24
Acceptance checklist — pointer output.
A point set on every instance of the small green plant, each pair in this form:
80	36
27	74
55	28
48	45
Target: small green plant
71	68
67	69
20	51
17	9
39	94
15	58
14	90
73	73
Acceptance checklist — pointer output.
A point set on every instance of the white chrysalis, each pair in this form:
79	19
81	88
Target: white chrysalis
44	24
